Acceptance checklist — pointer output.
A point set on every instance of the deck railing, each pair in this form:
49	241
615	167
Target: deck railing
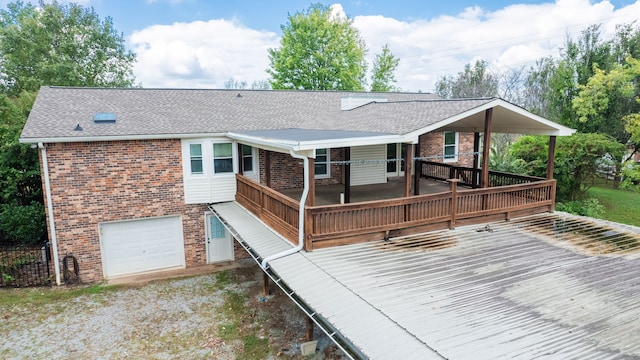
471	176
332	225
276	210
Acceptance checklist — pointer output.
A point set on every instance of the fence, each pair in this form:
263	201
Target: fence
24	266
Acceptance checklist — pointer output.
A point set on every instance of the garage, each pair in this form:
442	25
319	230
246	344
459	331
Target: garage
136	246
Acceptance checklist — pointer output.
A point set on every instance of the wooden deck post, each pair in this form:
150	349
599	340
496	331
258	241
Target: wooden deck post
265	284
267	167
476	159
311	197
309	334
453	207
240	161
347	175
408	165
417	170
486	146
551	157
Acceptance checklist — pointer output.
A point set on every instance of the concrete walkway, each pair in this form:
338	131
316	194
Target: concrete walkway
143	278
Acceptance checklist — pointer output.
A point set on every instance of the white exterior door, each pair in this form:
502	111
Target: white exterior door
219	241
136	246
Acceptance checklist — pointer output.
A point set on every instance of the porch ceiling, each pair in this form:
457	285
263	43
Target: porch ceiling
519	289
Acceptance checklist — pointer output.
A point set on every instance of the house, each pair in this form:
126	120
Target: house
139	180
128	174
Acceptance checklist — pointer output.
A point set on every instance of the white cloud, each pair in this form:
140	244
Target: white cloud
200	54
512	37
206	54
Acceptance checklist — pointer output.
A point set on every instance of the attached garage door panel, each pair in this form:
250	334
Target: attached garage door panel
136	246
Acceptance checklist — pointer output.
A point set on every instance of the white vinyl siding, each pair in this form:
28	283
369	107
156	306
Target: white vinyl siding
217	181
374	172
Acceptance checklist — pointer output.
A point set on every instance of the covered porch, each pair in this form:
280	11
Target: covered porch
430	195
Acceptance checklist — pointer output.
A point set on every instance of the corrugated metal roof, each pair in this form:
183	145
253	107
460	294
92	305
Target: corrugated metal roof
551	285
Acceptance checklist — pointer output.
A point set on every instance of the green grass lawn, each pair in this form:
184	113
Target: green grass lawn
622	206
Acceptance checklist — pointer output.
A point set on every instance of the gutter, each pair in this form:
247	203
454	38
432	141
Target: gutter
52	224
303	200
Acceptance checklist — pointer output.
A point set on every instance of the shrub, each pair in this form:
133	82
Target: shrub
24	225
630	176
587	207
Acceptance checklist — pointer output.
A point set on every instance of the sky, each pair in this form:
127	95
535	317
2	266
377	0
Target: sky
204	43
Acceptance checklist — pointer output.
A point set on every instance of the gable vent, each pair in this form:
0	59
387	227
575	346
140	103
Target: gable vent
104	118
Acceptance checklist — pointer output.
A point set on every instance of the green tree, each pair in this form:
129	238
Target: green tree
577	160
473	82
384	65
51	44
318	51
66	45
608	102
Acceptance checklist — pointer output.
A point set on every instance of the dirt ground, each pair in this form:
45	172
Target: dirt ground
200	317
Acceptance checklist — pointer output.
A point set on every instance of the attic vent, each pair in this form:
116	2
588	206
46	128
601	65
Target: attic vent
352	102
104	118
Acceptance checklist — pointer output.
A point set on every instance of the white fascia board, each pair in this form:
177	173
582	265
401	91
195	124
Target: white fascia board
556	129
303	146
359	141
117	138
264	143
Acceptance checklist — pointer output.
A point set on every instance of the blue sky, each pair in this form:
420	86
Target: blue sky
203	43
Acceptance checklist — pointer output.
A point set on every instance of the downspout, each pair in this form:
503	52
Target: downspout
52	224
303	200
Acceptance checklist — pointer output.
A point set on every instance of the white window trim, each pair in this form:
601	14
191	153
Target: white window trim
456	146
328	164
207	158
254	156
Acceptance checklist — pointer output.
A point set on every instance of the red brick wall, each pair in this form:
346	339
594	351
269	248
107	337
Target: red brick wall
432	144
117	180
287	172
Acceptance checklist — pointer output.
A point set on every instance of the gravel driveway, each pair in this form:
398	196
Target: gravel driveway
183	318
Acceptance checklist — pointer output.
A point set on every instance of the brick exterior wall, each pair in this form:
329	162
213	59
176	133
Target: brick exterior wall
432	144
287	172
95	182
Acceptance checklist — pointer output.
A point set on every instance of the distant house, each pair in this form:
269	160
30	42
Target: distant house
129	174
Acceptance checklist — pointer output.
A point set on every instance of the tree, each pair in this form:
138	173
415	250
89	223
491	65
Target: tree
384	65
577	160
318	51
66	45
471	83
608	102
47	45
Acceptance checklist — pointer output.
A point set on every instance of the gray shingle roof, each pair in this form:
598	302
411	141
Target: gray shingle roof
163	112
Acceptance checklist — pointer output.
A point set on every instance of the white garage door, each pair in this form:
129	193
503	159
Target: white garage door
130	247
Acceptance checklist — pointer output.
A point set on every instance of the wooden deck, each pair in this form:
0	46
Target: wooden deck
377	212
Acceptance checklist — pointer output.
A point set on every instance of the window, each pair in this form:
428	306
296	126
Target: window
322	163
195	152
222	158
450	146
247	158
